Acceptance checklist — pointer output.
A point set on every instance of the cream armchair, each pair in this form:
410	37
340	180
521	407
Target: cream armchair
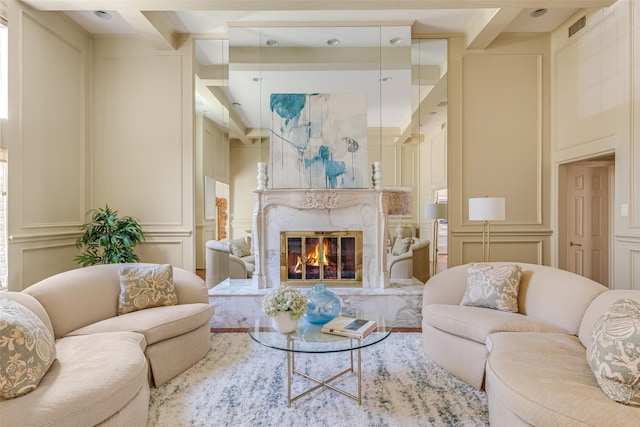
221	264
413	263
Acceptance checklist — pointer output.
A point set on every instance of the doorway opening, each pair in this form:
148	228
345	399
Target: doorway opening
585	217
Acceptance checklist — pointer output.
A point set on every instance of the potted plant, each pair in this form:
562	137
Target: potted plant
108	239
286	306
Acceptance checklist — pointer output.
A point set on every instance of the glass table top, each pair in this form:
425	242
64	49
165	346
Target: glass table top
309	339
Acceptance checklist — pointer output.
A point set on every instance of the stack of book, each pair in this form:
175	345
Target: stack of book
350	327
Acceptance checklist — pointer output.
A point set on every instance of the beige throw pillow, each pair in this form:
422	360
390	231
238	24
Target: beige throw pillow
614	352
240	247
401	245
27	350
493	286
146	287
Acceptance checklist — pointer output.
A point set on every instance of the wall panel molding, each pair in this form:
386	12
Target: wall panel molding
53	132
40	261
529	251
502	107
634	272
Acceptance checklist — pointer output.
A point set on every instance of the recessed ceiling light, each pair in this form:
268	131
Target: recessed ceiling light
102	14
395	41
333	42
538	13
272	43
386	79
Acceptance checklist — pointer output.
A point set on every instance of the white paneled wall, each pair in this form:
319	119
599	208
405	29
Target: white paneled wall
497	133
142	151
46	137
131	147
597	112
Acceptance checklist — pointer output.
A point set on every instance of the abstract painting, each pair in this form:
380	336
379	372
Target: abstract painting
319	140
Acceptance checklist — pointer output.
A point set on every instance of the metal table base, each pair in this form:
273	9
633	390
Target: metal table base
291	371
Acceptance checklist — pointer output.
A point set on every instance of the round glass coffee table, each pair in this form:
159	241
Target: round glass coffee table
309	339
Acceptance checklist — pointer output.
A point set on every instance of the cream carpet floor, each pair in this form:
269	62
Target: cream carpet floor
241	383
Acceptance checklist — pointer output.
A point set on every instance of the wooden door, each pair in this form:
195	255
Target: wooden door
588	222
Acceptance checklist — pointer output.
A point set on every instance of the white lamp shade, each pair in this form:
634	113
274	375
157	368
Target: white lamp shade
487	209
435	210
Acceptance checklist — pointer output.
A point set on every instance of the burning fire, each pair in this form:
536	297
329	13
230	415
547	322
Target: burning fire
314	257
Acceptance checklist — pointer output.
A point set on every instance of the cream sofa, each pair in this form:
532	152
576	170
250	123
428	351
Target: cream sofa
221	264
106	362
532	363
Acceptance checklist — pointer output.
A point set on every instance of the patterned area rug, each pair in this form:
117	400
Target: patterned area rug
241	383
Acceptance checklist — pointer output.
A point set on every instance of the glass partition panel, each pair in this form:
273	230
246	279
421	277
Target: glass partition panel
326	73
403	81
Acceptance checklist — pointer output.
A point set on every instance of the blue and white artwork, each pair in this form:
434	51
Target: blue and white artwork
318	140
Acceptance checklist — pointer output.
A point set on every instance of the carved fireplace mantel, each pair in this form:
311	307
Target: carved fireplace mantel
279	210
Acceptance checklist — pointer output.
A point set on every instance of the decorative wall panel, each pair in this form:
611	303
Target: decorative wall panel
52	119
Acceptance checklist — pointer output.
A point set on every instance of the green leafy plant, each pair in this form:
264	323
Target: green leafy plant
108	239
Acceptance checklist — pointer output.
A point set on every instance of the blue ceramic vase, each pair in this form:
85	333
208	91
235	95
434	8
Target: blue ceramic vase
322	305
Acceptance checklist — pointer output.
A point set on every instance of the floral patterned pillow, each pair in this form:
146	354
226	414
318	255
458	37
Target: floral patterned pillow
240	247
146	287
614	352
27	350
493	286
401	245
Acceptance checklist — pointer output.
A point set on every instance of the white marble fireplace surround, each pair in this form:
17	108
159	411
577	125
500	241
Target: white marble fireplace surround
277	210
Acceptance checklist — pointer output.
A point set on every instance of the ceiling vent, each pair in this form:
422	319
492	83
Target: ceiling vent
577	26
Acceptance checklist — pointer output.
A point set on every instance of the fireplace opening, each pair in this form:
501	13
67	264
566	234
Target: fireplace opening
331	257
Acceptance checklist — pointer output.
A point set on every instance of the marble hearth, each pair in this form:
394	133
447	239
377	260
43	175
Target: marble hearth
237	303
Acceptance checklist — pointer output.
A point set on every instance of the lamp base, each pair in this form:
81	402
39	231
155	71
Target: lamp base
434	250
486	241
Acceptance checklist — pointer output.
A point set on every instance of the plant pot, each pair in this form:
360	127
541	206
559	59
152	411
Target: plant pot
283	323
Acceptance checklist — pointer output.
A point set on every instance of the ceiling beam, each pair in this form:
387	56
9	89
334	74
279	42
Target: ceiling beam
152	26
242	5
236	126
487	24
215	97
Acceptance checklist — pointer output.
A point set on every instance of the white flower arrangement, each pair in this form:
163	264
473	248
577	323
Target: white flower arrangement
285	299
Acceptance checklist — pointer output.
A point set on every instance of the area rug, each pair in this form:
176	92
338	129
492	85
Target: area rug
242	383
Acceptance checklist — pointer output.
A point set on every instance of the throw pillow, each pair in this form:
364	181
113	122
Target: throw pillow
493	286
27	350
401	245
614	352
240	247
146	287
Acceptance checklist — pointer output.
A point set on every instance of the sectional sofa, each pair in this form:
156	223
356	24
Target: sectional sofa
535	362
107	360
